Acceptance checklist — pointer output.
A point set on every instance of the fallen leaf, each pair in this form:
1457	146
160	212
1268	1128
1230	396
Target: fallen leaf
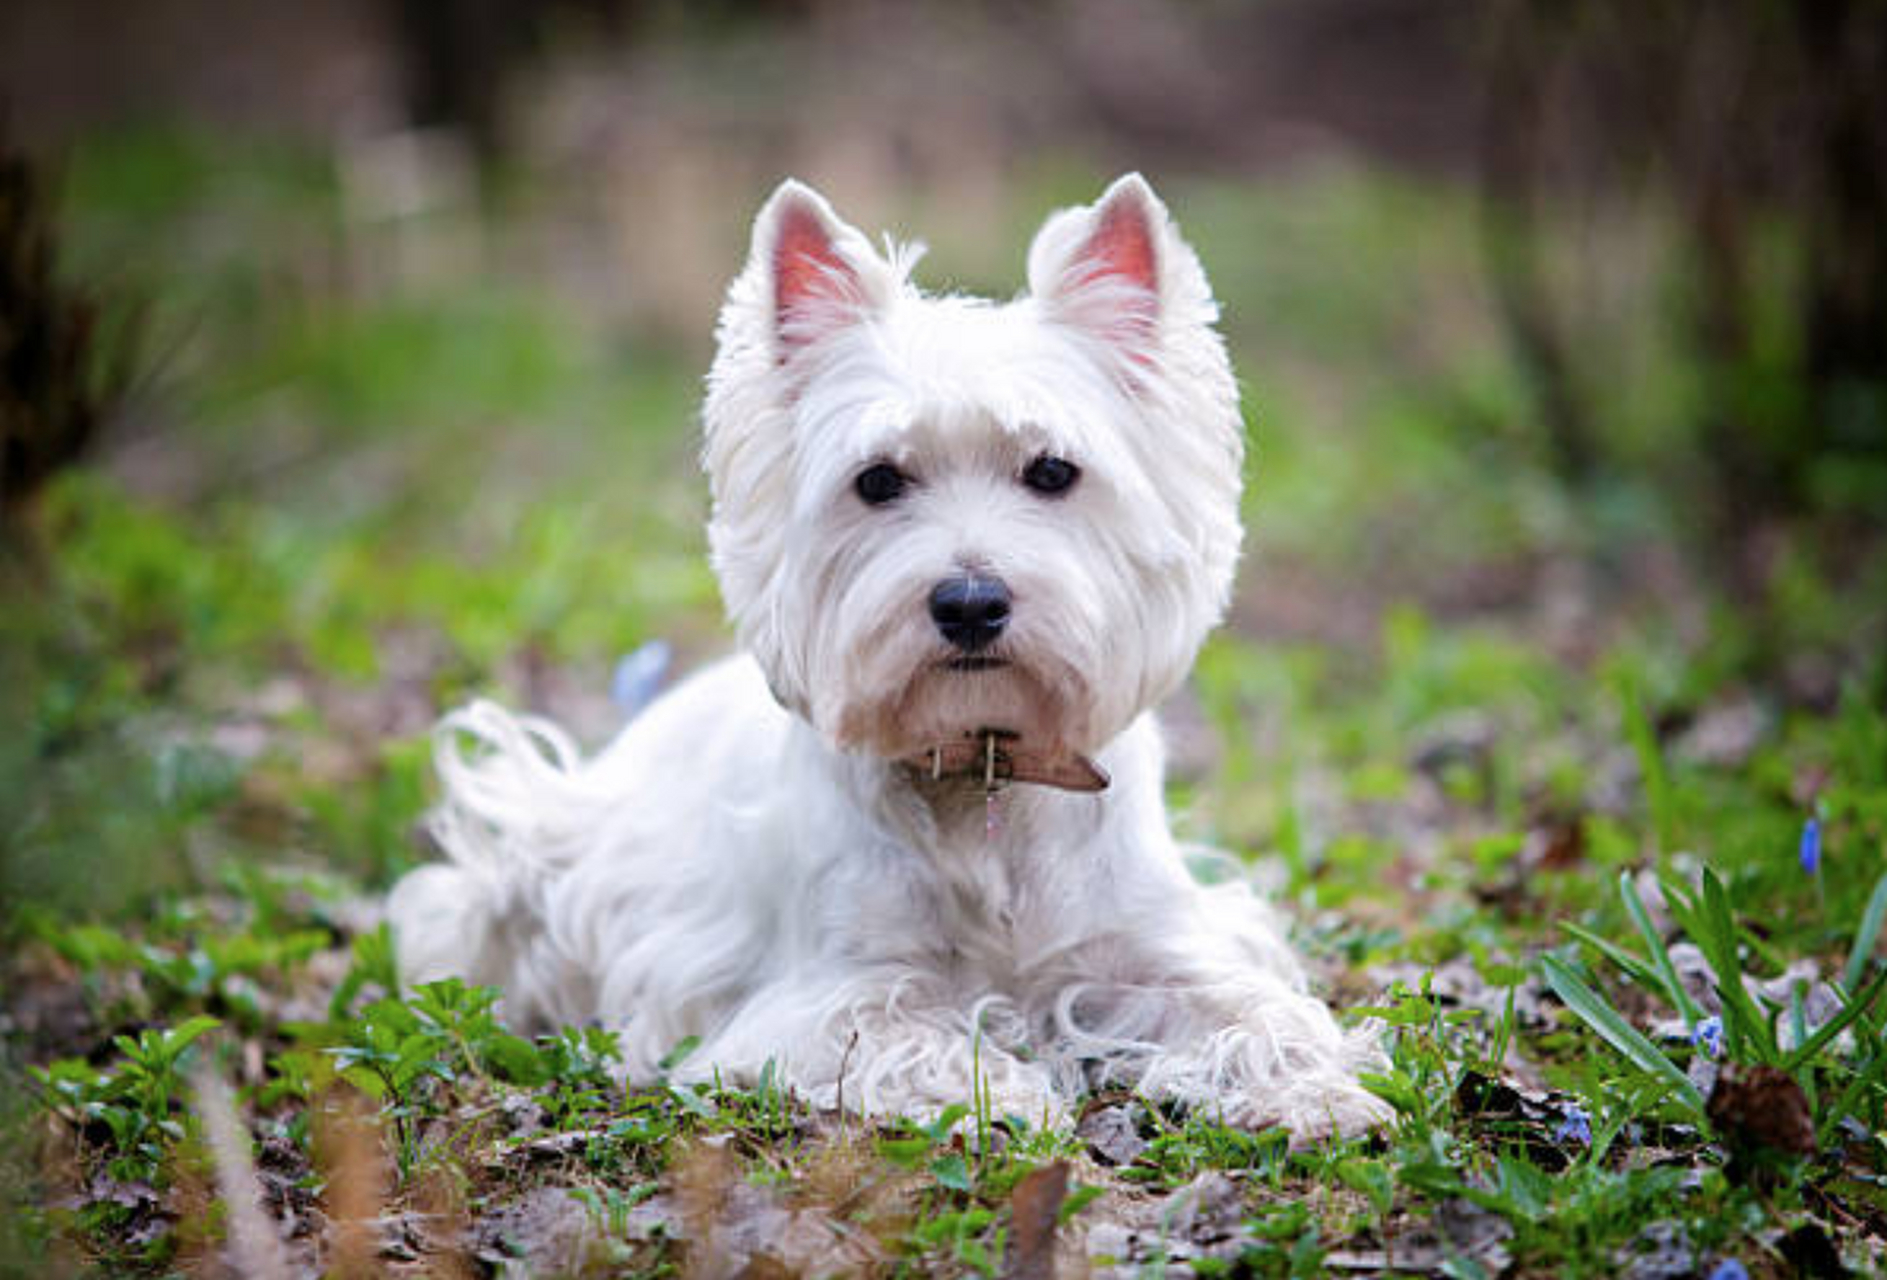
1476	1233
1762	1108
1033	1207
1205	1210
1112	1135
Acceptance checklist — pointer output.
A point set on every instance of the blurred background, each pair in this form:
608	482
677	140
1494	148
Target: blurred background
351	351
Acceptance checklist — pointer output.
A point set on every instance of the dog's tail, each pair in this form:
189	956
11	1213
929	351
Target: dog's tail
515	806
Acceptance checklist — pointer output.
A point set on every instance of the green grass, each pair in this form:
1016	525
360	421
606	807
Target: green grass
369	505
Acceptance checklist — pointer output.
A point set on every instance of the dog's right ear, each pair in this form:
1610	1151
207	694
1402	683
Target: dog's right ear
823	273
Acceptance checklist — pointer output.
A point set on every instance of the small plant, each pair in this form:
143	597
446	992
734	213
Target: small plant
136	1103
576	1063
409	1053
1287	1244
1750	1030
1428	1054
1180	1152
930	1146
609	1209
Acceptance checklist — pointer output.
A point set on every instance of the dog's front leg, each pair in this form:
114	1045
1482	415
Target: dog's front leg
1217	1018
883	1047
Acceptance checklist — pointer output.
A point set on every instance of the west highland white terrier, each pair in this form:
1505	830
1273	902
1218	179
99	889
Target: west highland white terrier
911	843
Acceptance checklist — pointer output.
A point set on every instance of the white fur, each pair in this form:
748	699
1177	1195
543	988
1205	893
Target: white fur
750	863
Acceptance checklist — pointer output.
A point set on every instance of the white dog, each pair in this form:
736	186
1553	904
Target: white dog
912	843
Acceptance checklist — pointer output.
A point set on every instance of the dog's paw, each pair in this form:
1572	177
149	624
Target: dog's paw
1333	1106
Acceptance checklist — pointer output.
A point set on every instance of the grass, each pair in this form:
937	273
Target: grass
1624	1014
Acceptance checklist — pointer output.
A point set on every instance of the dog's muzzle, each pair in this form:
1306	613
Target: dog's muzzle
997	758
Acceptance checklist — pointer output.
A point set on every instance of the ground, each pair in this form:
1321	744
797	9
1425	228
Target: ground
1599	843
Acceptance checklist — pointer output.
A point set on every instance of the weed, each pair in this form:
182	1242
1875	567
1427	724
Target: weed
134	1107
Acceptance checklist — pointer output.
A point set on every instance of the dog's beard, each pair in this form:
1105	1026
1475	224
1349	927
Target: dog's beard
947	696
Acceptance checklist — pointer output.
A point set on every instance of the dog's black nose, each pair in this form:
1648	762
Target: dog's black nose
970	611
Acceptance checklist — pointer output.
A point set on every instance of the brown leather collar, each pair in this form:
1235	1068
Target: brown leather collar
996	758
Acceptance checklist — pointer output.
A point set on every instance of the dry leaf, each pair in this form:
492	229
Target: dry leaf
1033	1207
1762	1108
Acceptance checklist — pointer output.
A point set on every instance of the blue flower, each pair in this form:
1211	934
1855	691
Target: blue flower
1729	1269
1574	1126
1811	846
1708	1036
638	677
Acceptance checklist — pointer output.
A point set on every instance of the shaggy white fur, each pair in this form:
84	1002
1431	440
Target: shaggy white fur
763	861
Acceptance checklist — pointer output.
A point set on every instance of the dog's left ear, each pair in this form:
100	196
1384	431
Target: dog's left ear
1117	269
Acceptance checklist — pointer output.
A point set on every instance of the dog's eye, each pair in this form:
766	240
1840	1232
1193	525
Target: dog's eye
877	485
1050	475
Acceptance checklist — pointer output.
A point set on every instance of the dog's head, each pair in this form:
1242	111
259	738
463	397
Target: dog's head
938	515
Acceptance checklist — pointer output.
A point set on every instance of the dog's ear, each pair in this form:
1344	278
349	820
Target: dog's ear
1113	269
823	273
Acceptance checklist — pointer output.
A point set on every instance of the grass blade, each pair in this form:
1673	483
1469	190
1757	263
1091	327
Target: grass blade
1798	1015
1620	1034
1716	934
1660	956
1871	1081
1837	1024
1867	935
1656	782
1636	967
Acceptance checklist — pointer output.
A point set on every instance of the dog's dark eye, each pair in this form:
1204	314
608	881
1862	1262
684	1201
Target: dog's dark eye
877	485
1049	475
